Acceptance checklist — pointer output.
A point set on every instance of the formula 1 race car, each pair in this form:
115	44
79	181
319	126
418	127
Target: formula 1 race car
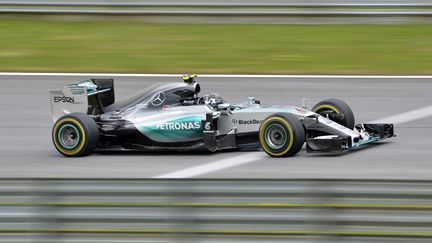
172	116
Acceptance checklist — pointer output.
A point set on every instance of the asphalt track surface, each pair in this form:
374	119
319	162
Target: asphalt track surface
26	149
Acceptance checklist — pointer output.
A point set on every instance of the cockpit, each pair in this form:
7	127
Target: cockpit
158	95
167	95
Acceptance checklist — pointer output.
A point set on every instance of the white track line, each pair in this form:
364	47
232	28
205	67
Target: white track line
406	116
214	166
216	75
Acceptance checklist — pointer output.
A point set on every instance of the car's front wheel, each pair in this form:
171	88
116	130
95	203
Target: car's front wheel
281	135
337	111
75	135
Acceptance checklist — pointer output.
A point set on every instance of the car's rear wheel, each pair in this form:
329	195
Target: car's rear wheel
337	111
281	135
75	135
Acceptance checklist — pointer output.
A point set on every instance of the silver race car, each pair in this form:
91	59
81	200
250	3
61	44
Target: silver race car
173	116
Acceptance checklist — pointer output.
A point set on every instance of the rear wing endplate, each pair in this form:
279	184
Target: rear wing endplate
70	99
88	97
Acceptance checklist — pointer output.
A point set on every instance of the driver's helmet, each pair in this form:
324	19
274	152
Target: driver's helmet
212	99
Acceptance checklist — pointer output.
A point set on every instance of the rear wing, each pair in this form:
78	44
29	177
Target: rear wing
89	97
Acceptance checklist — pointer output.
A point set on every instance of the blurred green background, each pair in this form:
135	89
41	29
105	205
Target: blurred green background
56	44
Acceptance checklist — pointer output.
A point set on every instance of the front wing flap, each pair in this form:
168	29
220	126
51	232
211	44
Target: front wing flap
369	133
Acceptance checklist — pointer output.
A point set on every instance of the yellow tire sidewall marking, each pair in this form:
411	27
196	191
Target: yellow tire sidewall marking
326	106
59	147
262	135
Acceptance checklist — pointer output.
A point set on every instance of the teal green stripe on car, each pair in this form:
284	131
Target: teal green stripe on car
362	142
61	140
180	129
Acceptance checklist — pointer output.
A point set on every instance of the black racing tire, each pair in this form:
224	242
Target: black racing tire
282	135
337	111
75	135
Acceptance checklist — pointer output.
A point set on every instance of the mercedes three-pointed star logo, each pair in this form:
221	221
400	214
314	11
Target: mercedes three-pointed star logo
158	99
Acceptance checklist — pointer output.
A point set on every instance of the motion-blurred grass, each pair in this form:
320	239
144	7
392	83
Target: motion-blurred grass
127	45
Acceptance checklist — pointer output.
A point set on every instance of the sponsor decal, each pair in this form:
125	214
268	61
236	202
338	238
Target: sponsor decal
158	99
247	122
165	107
188	102
179	126
64	99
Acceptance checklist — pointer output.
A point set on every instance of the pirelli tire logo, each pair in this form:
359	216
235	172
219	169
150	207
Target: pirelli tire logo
247	121
179	126
64	99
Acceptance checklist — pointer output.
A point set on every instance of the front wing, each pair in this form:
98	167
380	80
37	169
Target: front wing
369	133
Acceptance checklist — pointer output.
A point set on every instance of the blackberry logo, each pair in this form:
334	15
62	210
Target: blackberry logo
247	122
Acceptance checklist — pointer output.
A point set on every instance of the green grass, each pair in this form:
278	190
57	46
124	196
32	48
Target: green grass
125	45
